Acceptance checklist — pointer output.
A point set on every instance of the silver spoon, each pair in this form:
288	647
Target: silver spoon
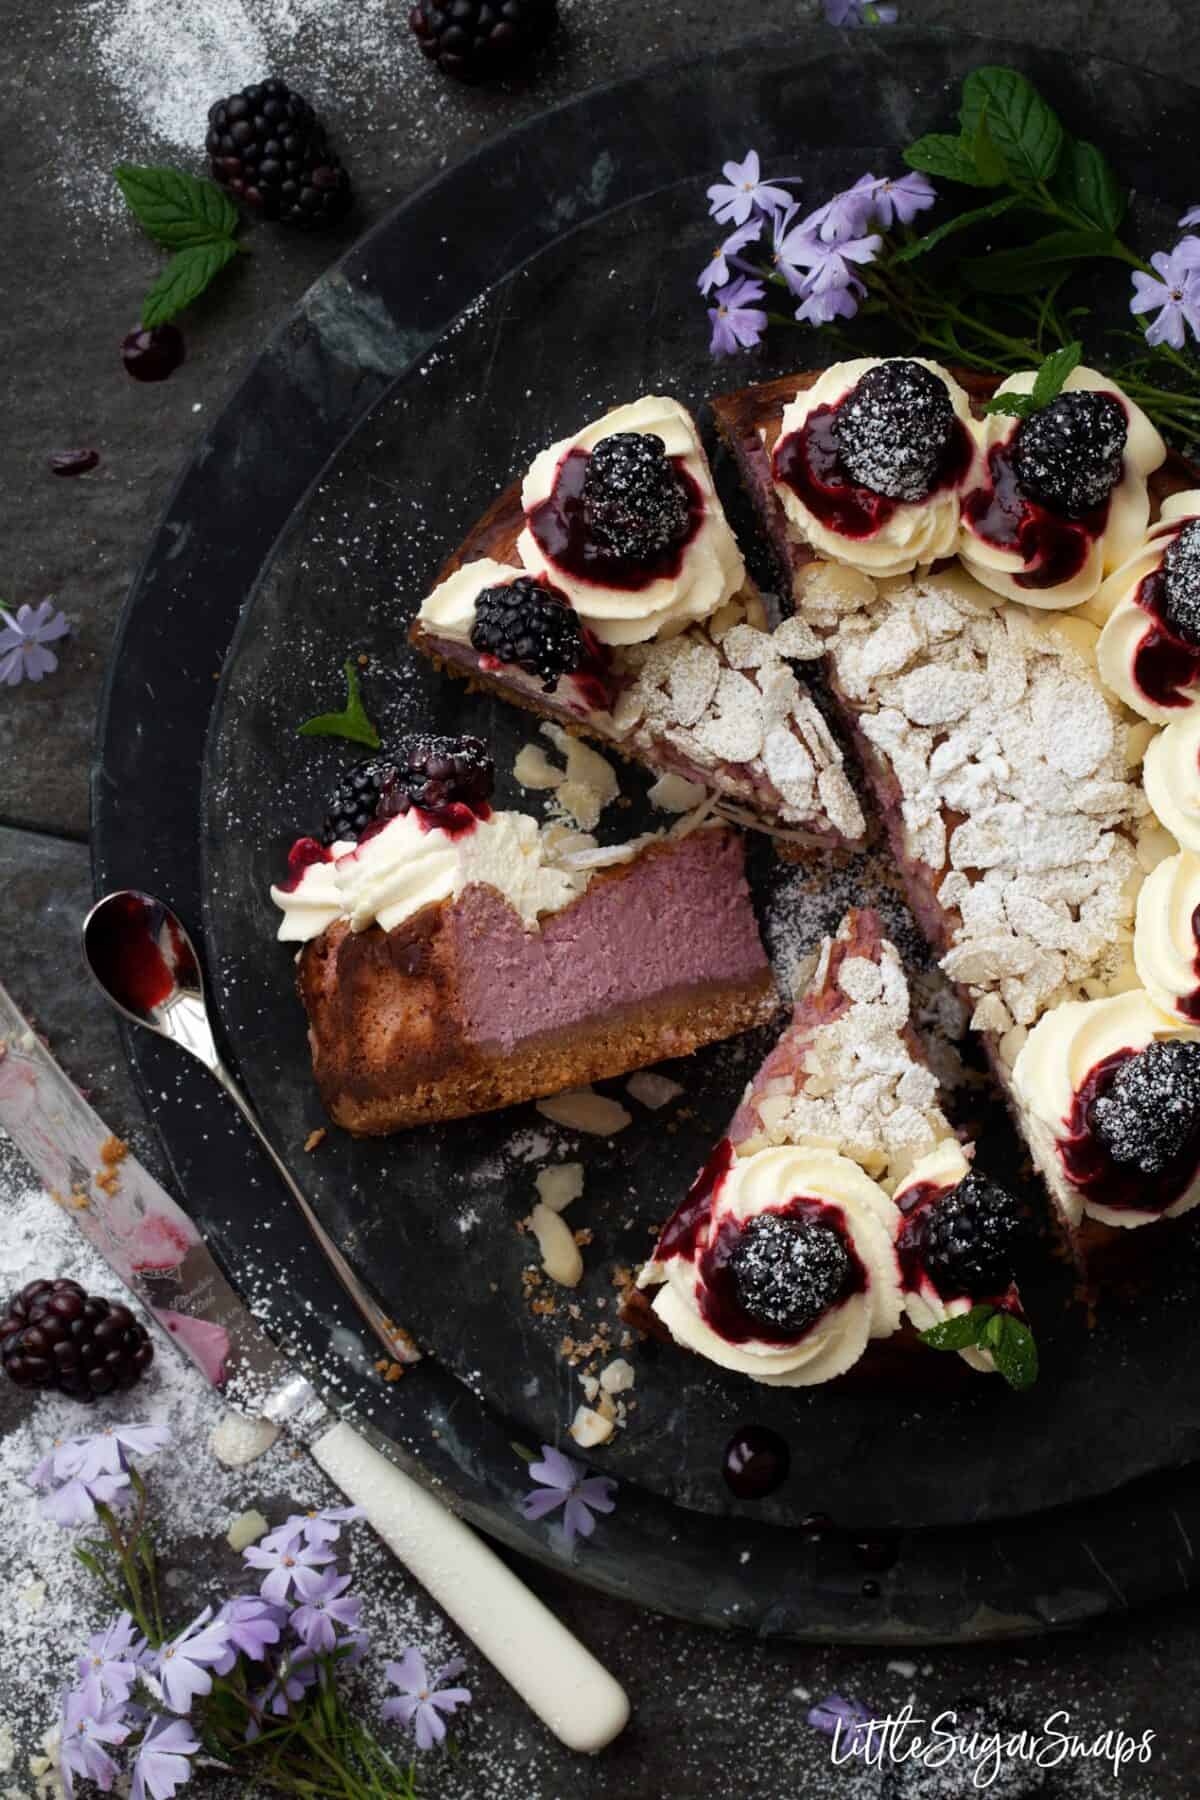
139	954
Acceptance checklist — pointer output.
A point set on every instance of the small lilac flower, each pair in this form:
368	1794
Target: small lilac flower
351	1649
899	202
162	1764
733	200
561	1486
832	292
422	1701
252	1623
74	1502
61	1460
808	252
282	1560
297	1672
107	1452
859	12
323	1526
184	1663
784	237
736	321
847	215
23	639
323	1602
113	1657
842	1719
1191	217
716	272
1175	295
89	1723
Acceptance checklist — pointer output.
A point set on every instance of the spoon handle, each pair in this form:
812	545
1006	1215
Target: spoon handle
396	1349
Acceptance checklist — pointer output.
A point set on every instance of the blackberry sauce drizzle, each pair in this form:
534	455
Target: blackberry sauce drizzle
560	527
1165	666
1053	549
807	461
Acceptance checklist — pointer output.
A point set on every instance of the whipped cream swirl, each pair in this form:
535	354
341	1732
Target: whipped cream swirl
1000	565
1166	942
767	1181
1171	777
942	1171
1130	630
911	534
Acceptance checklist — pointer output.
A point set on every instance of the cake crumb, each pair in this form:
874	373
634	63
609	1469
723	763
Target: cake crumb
315	1137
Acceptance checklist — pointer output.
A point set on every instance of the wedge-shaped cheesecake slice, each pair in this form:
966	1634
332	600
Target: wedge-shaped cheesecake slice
607	592
462	959
838	1200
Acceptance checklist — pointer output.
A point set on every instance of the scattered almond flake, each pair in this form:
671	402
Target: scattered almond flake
590	783
32	1598
533	769
674	794
653	1090
561	1260
239	1441
558	1185
590	1428
906	1670
246	1529
315	1137
583	1110
618	1377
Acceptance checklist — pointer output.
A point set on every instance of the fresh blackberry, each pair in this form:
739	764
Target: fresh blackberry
787	1271
1069	455
634	502
1151	1111
268	147
54	1335
1181	584
354	803
969	1238
436	772
472	39
893	429
531	626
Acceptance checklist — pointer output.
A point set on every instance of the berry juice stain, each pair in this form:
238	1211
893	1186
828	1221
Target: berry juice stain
153	355
680	1235
1165	666
73	462
1053	549
756	1462
139	954
807	461
302	856
560	527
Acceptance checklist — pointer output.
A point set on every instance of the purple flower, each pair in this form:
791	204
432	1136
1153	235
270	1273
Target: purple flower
859	12
113	1658
899	202
88	1724
316	1527
1175	295
251	1623
831	292
562	1486
736	322
839	1718
107	1452
733	200
162	1763
74	1502
1191	217
421	1701
321	1606
184	1663
60	1460
23	639
715	272
297	1672
282	1559
847	215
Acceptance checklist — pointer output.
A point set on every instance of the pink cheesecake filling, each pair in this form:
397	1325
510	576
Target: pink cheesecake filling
670	923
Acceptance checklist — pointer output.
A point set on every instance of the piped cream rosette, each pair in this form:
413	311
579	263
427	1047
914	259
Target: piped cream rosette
1171	777
1166	948
1127	625
943	1168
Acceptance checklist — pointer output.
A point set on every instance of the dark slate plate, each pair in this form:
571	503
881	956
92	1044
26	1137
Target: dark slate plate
548	277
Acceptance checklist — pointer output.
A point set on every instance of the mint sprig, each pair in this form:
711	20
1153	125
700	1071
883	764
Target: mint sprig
193	218
987	1327
1048	384
352	722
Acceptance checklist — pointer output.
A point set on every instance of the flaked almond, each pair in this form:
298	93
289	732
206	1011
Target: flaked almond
246	1529
653	1090
582	1110
590	1428
561	1260
558	1185
675	794
618	1377
533	769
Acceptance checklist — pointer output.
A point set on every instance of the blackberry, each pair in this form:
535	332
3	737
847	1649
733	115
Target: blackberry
54	1335
634	502
787	1271
1181	584
969	1238
1069	455
893	430
354	803
436	772
472	39
1151	1111
531	626
268	147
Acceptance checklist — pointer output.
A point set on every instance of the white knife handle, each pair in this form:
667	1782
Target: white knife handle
563	1683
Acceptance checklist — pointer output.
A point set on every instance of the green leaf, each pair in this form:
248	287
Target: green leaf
1086	183
1013	406
1015	1352
1053	373
948	157
978	215
990	165
351	723
1027	268
960	1332
177	210
184	279
1027	133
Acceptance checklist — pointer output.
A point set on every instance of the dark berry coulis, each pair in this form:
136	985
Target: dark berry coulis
73	462
152	355
140	954
456	820
1165	666
680	1236
910	1244
303	854
808	462
1053	548
721	1304
559	524
756	1462
1092	1169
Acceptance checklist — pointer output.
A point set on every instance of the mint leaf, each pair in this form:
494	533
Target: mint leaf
961	1332
184	279
950	158
1014	406
1027	133
978	215
1027	269
990	165
351	723
1053	373
1014	1352
1086	183
176	210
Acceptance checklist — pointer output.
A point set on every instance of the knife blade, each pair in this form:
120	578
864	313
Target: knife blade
154	1248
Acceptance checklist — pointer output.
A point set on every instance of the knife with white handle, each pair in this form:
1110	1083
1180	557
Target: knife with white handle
152	1245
